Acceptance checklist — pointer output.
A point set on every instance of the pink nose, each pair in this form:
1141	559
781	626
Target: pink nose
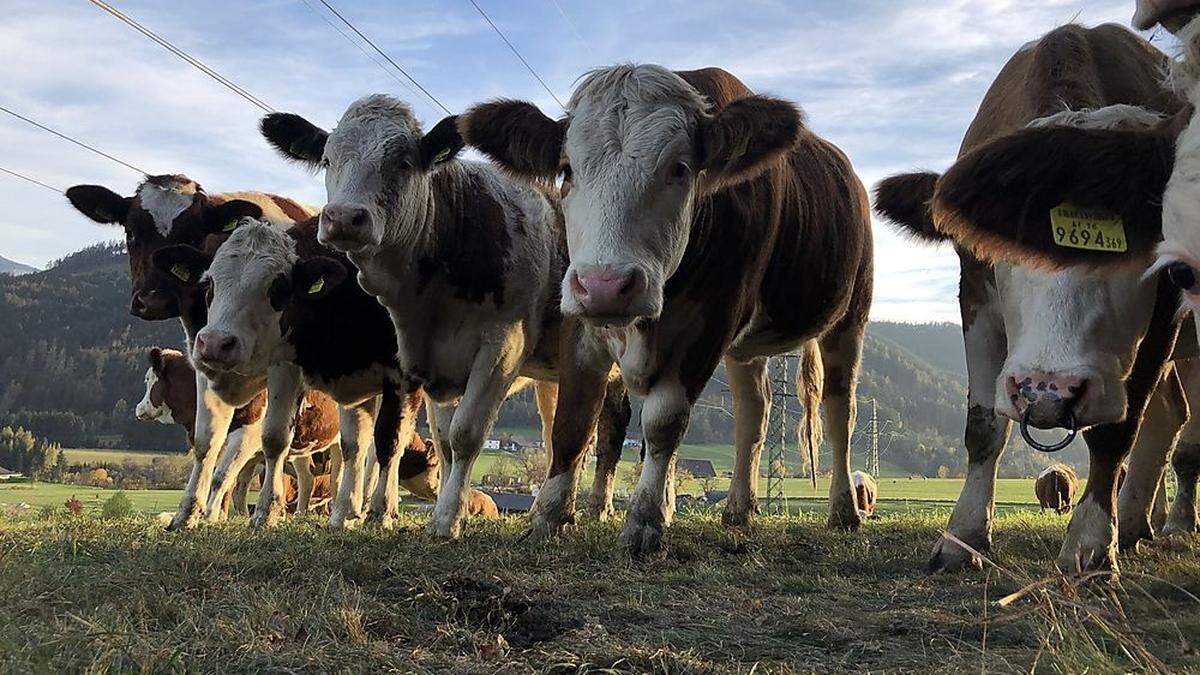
605	291
1046	397
343	221
217	348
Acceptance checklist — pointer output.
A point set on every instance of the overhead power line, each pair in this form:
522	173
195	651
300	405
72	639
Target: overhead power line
517	53
65	137
574	28
358	45
191	60
395	65
31	180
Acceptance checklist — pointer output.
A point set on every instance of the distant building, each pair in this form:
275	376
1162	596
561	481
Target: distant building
698	468
6	474
498	481
632	443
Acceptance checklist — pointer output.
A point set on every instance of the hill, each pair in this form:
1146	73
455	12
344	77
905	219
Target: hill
14	268
74	360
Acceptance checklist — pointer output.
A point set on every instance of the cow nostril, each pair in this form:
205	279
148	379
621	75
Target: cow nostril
359	218
577	287
227	345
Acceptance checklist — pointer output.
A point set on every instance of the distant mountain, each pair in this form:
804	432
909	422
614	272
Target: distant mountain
15	268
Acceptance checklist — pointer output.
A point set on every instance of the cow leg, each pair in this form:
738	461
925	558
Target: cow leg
441	417
212	426
240	446
357	424
582	384
241	490
285	387
1182	518
751	401
547	401
303	467
1158	516
492	375
335	471
1148	460
394	427
610	442
985	437
665	415
1091	541
841	353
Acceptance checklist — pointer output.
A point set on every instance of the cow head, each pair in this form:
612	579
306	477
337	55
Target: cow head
1071	333
638	150
1172	14
254	276
165	210
168	376
377	165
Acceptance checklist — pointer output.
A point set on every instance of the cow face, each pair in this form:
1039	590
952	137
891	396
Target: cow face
168	370
639	148
377	164
252	279
165	210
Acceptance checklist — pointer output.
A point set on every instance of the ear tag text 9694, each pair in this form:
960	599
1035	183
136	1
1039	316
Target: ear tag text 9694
1090	229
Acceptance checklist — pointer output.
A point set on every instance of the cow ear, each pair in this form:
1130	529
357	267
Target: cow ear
905	199
744	138
156	359
294	137
225	218
182	264
517	136
441	144
99	203
1029	197
315	278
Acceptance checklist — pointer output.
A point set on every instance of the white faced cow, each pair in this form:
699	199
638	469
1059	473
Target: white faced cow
1069	125
466	260
703	222
175	210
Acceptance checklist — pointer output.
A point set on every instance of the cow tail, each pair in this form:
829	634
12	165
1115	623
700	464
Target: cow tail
810	384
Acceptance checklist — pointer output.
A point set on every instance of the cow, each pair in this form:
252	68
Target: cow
168	210
1171	14
865	492
1055	488
170	398
467	261
277	304
703	222
1046	349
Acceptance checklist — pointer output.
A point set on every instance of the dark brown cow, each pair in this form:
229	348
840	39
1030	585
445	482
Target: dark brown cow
1055	488
703	223
175	210
1064	349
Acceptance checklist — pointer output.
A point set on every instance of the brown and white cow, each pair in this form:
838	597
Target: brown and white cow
175	210
1052	349
170	398
703	222
1055	488
466	260
866	491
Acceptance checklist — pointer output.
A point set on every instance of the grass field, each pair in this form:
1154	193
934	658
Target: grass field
79	594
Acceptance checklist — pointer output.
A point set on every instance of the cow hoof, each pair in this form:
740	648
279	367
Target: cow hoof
949	557
1129	535
737	517
186	519
842	519
547	525
1091	543
268	517
602	513
384	521
1175	528
446	528
642	540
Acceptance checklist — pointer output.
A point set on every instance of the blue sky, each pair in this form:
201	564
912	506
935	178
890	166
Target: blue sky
893	82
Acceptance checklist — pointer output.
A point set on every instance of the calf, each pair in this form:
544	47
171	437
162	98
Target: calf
1055	488
277	304
865	492
703	223
175	210
171	399
466	260
1065	349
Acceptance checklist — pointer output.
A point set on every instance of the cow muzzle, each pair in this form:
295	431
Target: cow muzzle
218	350
1045	400
153	305
346	227
609	294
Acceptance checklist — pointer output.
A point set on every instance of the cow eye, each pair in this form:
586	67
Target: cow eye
681	171
1183	276
324	163
208	293
564	173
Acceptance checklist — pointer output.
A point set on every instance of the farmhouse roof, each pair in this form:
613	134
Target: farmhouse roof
700	468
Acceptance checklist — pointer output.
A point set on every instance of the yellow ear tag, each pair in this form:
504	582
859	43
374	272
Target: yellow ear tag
441	156
230	226
317	286
1091	229
181	272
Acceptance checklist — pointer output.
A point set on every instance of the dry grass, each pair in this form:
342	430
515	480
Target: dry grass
81	594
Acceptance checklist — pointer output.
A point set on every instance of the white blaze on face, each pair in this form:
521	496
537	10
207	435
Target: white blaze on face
241	274
630	147
146	410
165	203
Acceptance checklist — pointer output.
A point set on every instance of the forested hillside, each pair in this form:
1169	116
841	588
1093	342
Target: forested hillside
73	359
